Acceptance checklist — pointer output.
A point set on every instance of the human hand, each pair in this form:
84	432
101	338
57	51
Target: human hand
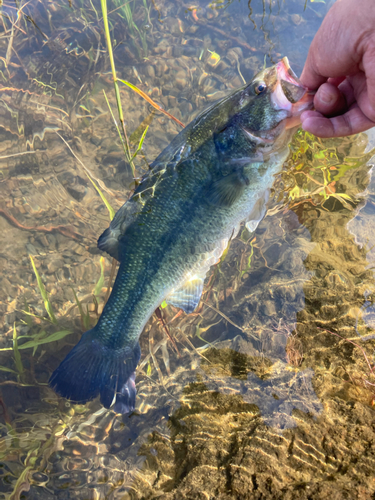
341	66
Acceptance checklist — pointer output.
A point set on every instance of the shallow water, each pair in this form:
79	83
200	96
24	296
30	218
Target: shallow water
273	393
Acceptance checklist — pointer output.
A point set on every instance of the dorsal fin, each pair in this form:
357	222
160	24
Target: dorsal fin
109	240
126	215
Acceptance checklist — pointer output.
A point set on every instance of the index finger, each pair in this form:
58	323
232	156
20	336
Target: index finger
310	76
351	122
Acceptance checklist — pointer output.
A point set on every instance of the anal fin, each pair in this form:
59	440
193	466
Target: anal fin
188	296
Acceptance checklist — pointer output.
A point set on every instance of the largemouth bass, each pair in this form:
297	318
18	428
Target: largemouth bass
215	174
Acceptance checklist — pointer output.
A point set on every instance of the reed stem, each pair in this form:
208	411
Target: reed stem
115	82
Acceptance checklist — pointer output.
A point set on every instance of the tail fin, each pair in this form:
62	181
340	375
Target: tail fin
91	369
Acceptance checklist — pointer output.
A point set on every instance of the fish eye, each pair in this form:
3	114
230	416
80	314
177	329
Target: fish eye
260	88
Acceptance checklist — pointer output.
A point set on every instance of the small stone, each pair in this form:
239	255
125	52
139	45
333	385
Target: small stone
268	308
296	19
54	265
181	83
150	71
31	249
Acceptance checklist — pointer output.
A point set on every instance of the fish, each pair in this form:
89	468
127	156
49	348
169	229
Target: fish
215	174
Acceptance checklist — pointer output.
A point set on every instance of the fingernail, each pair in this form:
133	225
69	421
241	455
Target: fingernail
326	96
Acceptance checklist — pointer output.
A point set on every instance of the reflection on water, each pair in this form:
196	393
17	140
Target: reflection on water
272	391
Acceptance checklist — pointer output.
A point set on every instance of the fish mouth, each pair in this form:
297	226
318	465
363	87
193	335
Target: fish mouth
294	90
290	94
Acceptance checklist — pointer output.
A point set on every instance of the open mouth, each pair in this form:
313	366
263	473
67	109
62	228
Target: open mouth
289	93
290	84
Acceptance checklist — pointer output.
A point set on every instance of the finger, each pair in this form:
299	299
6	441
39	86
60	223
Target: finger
310	76
336	81
356	90
329	100
352	122
368	63
332	52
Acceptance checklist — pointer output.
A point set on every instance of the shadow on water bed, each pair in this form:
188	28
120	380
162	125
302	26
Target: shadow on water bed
273	395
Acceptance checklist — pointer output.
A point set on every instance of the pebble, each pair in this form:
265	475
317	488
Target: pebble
54	265
160	68
268	308
181	82
297	19
155	92
150	71
31	249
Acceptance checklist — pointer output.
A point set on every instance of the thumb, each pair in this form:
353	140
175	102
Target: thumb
329	100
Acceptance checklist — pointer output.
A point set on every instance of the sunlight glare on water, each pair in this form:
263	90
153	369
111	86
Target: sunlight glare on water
272	394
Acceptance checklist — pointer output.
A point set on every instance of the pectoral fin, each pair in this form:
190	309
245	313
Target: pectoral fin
227	190
188	296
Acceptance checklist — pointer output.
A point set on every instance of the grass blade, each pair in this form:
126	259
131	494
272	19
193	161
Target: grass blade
105	201
35	343
36	316
5	369
140	143
17	355
150	101
43	293
100	283
136	135
127	153
85	317
22	484
27	311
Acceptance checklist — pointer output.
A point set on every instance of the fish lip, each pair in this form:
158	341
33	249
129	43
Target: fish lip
265	138
289	93
285	72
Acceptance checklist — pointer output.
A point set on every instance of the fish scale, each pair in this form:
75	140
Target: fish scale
214	175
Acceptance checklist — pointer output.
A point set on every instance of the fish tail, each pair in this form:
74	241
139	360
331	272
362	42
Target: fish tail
91	369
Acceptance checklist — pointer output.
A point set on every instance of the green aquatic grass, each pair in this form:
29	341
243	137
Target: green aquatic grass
35	339
85	316
125	11
38	339
43	293
122	129
249	258
124	145
17	356
316	180
89	175
123	136
99	285
28	321
113	68
150	101
124	141
140	143
111	211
